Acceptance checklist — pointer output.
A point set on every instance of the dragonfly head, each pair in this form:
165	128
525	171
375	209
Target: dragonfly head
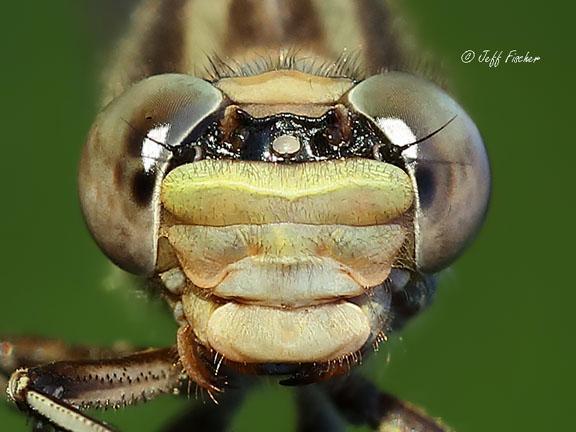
280	209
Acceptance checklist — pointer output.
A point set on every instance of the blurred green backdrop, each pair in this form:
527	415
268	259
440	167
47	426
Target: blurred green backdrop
495	352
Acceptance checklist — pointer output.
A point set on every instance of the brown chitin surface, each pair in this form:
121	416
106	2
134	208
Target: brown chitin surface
188	36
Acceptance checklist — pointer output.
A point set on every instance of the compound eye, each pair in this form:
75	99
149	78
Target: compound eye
128	151
449	170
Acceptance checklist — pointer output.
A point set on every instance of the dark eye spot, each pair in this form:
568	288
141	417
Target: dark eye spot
143	187
426	185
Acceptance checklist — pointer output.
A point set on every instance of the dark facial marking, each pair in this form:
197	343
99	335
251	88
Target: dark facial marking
426	185
143	186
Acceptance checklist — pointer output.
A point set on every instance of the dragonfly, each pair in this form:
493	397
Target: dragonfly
283	177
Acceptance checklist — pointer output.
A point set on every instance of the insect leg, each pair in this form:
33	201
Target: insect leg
21	351
315	412
195	367
362	403
27	351
412	298
58	391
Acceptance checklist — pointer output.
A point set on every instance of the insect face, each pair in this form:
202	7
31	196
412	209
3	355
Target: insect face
282	210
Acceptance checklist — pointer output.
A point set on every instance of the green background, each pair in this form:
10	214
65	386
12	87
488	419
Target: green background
496	350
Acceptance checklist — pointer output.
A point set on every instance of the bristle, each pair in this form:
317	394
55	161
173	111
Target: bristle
346	65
